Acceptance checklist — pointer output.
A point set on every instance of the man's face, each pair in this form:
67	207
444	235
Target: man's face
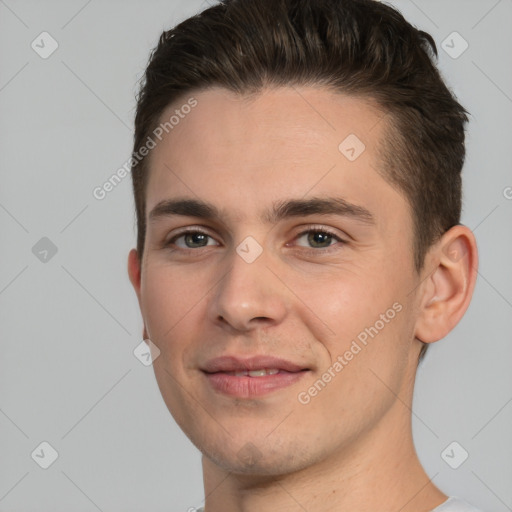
327	287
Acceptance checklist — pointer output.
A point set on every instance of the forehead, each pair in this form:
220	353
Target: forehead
299	119
286	141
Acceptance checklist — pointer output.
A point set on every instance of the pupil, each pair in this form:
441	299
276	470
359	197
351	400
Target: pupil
195	240
317	239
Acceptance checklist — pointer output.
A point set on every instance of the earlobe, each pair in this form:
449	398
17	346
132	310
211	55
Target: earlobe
447	291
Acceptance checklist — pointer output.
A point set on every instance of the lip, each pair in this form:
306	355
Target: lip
233	363
246	386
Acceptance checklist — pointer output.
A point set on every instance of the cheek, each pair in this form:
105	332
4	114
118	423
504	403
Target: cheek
363	313
170	298
345	302
364	362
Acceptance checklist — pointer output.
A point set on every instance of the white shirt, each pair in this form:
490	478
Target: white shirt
452	504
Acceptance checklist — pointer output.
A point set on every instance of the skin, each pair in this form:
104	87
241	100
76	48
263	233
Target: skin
350	448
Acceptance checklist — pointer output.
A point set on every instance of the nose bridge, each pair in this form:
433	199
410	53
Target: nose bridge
249	292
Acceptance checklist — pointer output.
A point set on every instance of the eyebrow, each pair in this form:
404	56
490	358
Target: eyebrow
279	210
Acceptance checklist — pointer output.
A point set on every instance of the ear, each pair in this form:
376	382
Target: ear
451	267
134	272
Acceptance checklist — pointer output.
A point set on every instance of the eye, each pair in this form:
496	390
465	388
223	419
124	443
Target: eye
318	238
191	239
313	238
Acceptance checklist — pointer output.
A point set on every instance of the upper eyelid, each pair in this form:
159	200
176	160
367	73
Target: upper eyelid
318	229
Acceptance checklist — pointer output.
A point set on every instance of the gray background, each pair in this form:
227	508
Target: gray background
69	324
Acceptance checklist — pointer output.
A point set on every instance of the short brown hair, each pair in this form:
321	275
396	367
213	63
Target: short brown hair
363	48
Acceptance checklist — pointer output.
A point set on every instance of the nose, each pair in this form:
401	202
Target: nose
248	296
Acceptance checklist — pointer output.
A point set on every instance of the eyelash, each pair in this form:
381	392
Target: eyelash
310	229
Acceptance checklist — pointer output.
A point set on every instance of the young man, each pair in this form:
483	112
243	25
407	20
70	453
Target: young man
297	186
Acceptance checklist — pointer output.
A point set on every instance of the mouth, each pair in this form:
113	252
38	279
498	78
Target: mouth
256	365
256	376
256	373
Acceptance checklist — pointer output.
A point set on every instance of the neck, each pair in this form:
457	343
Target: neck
381	471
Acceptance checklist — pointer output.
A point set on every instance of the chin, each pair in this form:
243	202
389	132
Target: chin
255	461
